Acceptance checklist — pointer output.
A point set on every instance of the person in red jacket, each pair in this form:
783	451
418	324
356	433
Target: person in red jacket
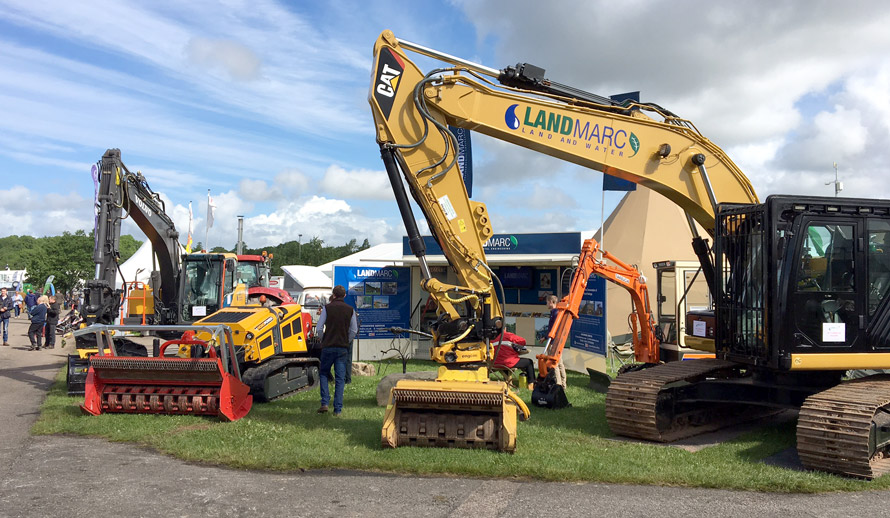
511	346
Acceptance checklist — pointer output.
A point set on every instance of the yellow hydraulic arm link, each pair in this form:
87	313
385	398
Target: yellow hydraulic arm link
646	345
418	142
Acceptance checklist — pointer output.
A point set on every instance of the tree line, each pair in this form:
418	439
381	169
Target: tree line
311	253
69	257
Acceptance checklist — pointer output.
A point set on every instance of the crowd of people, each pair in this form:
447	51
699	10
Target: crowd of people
43	311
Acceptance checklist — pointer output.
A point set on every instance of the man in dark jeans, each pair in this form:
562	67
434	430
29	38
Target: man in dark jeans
52	320
38	320
6	305
337	326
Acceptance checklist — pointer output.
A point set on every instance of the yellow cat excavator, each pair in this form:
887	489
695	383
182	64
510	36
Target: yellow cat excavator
800	294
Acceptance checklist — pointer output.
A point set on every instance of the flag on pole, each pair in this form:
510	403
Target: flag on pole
188	243
211	209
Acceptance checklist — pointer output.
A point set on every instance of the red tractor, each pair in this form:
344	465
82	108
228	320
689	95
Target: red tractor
254	271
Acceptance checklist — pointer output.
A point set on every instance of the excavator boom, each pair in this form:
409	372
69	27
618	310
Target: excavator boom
787	303
646	345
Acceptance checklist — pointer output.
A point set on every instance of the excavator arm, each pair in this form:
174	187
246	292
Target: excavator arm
547	393
122	192
628	277
412	110
639	142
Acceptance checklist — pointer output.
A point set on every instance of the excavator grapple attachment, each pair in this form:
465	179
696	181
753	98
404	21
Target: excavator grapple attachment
452	414
207	384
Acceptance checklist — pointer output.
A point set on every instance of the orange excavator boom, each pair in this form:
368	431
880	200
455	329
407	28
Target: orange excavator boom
592	261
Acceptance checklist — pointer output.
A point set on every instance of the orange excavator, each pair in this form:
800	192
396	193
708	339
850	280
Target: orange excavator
644	333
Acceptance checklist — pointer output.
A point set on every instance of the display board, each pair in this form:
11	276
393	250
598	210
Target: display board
589	331
381	296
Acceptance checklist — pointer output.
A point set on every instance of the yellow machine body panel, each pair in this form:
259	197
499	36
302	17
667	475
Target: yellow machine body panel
140	301
452	414
263	331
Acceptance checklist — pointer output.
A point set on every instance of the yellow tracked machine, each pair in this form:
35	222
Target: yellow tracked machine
218	366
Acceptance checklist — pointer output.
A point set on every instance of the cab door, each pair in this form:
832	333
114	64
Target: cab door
228	290
828	302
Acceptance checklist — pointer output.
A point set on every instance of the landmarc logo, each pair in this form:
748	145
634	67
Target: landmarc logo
501	244
561	129
378	274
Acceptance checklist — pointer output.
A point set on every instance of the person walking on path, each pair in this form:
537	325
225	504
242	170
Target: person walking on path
17	300
337	326
30	301
38	320
6	310
53	311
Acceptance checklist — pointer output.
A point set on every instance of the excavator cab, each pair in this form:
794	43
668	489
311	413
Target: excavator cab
681	288
208	284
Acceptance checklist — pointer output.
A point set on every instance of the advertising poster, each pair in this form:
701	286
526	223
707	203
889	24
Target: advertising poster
381	296
589	331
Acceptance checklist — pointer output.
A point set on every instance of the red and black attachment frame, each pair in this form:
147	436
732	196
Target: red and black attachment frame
208	382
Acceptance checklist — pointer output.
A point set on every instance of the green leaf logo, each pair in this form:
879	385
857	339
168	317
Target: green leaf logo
634	144
395	273
514	241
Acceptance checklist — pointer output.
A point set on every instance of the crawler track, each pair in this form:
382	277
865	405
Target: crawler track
835	426
637	404
256	378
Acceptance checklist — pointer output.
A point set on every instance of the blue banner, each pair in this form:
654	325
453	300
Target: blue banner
549	243
381	296
613	183
589	331
464	156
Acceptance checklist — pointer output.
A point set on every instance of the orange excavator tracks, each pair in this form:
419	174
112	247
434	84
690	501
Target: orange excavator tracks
838	428
639	403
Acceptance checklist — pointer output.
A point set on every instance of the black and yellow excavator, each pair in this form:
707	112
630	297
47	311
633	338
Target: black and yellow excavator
800	292
272	344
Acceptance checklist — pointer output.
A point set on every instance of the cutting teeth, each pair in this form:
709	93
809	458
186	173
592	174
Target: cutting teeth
449	398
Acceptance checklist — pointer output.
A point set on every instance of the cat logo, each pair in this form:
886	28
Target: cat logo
389	72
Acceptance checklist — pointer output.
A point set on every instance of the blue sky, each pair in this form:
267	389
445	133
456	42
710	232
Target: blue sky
264	103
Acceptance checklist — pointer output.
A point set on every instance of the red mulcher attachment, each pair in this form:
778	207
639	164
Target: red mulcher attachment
160	385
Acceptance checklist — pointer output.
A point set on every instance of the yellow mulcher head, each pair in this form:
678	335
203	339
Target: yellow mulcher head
460	409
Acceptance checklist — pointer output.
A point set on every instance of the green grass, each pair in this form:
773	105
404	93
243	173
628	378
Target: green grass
572	444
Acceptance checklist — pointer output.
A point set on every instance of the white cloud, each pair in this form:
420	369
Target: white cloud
358	184
257	190
837	135
236	59
739	75
32	213
292	182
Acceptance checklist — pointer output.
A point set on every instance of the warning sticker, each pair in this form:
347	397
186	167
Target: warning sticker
447	207
834	332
